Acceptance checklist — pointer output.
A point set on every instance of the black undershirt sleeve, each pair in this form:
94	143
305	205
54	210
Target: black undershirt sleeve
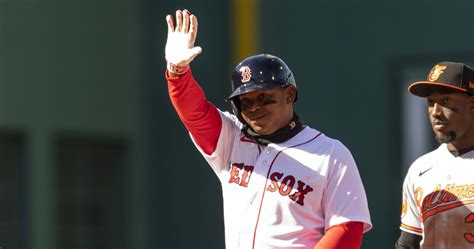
408	241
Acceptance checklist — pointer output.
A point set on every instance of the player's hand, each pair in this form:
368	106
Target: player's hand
180	49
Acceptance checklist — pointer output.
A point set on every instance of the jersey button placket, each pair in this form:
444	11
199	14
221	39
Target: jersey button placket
267	161
267	156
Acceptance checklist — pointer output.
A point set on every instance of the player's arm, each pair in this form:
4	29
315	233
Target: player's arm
410	216
201	118
343	236
408	241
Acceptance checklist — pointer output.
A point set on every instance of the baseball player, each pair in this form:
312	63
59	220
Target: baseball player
438	192
284	184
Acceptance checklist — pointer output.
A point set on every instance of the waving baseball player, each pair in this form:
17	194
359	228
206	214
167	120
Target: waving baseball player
284	184
438	192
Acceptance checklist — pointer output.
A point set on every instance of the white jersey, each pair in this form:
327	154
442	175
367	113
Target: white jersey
285	195
438	200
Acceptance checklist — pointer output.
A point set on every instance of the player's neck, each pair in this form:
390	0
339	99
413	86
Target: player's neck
287	132
458	149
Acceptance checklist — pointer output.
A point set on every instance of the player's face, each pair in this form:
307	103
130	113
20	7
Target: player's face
452	118
267	111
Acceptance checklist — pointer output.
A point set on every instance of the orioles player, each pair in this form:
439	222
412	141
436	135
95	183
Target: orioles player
285	185
438	192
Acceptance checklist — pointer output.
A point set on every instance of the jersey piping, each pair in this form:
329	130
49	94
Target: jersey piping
410	228
446	207
266	182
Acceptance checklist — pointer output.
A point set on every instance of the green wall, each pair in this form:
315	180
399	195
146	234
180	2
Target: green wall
68	68
95	69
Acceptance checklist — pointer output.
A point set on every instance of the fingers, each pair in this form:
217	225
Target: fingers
185	22
193	28
195	51
169	21
192	53
182	33
186	15
179	21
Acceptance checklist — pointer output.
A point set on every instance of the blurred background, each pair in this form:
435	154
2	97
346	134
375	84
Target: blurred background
92	154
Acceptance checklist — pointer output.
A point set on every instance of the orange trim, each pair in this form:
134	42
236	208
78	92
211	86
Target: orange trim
471	85
414	229
434	83
445	207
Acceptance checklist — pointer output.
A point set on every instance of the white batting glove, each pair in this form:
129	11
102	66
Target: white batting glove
180	49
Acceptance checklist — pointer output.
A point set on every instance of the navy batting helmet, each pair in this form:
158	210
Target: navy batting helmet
257	73
260	72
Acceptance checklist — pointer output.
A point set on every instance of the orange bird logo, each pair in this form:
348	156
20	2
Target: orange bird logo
404	207
436	72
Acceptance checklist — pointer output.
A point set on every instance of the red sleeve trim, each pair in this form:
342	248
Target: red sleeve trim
199	116
343	236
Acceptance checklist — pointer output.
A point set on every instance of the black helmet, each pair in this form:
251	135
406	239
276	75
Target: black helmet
256	73
260	72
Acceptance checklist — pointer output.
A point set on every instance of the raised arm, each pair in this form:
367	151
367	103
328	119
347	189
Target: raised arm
201	118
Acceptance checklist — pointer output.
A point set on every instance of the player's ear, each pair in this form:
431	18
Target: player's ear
290	93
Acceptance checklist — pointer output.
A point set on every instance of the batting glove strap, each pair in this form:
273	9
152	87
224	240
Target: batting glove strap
176	69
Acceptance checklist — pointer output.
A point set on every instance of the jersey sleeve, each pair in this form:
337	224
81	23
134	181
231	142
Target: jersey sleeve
230	131
342	236
199	116
212	131
344	198
410	216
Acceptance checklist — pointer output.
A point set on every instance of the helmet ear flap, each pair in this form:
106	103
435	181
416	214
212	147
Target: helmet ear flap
235	103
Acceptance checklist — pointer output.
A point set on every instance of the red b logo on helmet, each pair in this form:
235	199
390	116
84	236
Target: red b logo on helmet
246	74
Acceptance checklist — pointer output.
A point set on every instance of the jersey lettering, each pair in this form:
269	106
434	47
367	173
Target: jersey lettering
274	184
302	191
238	178
450	193
418	196
246	176
469	236
286	187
